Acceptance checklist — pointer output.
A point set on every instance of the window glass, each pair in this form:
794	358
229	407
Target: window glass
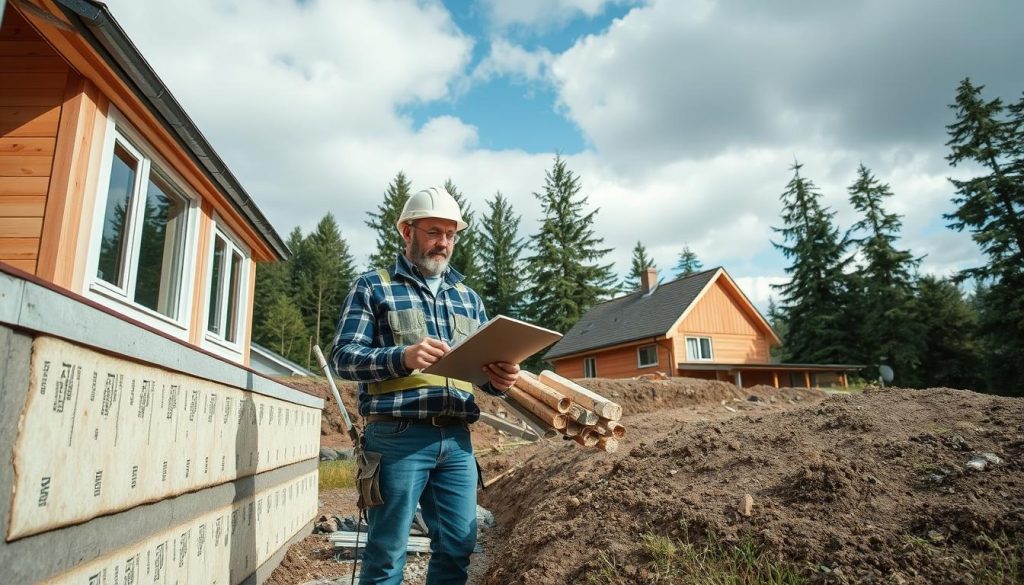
589	367
698	348
219	251
234	286
705	348
647	356
115	218
162	248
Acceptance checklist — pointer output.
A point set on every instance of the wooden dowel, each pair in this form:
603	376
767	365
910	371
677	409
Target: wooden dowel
608	444
538	390
550	417
582	415
611	428
572	428
584	397
588	437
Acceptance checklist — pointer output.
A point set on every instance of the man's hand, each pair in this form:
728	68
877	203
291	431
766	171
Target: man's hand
424	353
502	374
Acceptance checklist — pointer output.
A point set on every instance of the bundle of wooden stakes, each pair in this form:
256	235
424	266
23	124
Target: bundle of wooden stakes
570	409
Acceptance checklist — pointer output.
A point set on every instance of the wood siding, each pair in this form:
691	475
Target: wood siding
620	362
735	336
32	84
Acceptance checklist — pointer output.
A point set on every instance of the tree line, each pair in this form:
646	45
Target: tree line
854	297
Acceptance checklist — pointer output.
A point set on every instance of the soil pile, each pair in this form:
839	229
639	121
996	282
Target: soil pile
885	486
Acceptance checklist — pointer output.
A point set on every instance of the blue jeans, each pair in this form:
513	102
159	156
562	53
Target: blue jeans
435	467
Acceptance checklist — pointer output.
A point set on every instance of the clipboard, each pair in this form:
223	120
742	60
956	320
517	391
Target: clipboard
502	339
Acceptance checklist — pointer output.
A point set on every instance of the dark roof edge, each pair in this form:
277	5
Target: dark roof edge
603	347
94	21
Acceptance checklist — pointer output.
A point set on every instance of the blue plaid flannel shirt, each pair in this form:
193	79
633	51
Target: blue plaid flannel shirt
368	346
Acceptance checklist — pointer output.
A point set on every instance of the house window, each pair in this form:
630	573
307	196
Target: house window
698	348
144	229
590	367
647	356
227	272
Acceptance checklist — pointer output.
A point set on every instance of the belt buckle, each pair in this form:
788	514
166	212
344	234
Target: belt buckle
433	421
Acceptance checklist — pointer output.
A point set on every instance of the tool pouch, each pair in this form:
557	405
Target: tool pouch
368	479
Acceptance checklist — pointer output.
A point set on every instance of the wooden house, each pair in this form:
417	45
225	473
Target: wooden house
135	440
110	191
699	326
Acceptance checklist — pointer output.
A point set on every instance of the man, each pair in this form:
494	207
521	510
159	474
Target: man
395	322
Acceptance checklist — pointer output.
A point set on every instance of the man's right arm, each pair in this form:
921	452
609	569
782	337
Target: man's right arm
354	356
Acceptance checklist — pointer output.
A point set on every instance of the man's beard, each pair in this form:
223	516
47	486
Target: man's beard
421	256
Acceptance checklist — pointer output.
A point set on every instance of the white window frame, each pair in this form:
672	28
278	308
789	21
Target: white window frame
699	358
592	361
218	342
119	132
639	361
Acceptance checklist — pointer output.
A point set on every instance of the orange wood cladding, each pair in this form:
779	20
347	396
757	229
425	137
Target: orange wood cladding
619	362
32	80
722	316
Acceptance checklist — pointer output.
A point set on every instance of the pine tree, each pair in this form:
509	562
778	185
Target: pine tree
464	254
813	300
951	356
882	308
688	263
498	250
565	272
283	329
991	206
324	271
639	265
389	240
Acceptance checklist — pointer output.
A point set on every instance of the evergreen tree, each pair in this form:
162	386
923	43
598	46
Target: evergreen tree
688	263
991	206
778	322
283	329
639	265
275	287
882	308
813	300
565	272
389	241
464	254
499	248
951	356
324	271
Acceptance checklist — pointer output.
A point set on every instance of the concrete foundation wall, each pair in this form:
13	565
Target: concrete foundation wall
126	457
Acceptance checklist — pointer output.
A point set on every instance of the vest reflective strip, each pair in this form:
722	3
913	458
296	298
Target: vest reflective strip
416	380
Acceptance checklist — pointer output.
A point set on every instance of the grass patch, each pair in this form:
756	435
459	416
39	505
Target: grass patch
337	474
712	562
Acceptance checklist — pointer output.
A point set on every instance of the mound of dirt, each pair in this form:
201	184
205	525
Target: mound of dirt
849	488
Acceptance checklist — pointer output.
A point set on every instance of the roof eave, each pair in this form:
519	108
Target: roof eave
95	23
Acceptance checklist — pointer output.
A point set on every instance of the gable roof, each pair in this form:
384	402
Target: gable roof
632	317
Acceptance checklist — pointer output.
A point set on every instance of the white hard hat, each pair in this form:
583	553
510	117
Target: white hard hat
432	202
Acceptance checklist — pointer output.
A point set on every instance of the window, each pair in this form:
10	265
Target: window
143	230
698	348
227	275
647	356
590	367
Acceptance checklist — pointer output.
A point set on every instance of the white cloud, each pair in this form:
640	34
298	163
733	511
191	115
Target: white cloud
695	111
508	59
543	13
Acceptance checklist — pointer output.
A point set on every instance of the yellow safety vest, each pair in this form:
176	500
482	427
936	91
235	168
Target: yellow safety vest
415	380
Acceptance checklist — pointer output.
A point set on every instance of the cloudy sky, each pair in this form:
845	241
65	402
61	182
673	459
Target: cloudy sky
682	117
